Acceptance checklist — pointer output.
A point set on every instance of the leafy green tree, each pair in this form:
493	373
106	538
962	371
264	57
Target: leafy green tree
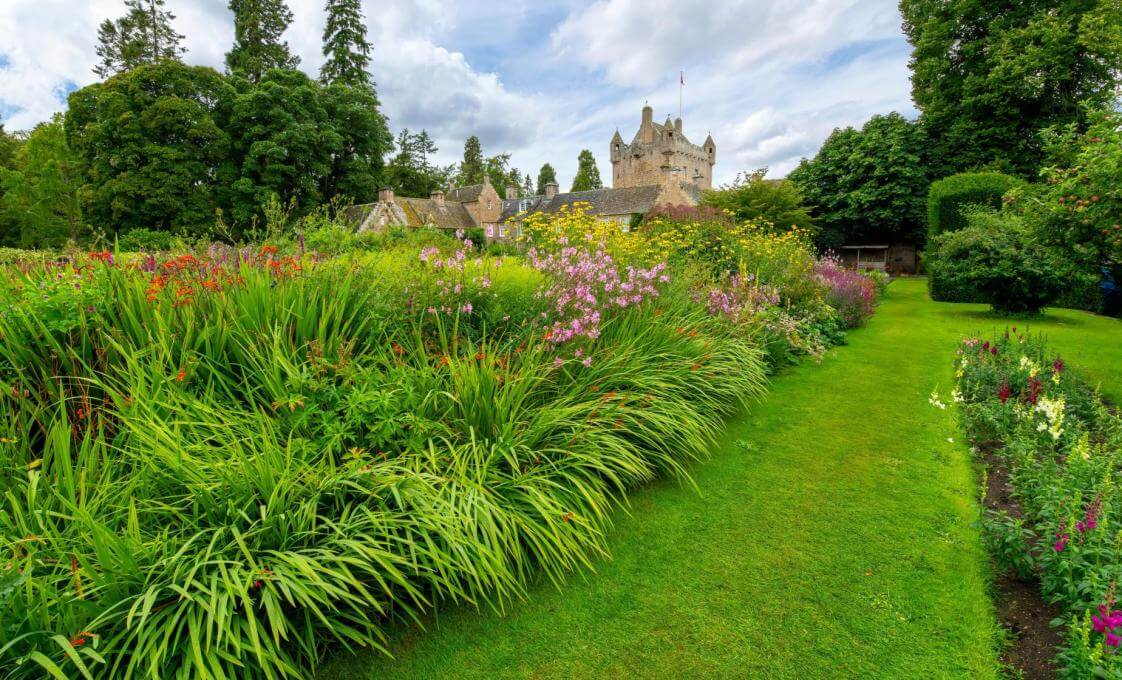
258	48
39	195
357	164
143	36
546	176
868	184
410	172
151	143
499	172
283	145
472	167
345	46
989	75
588	175
1077	210
752	197
9	144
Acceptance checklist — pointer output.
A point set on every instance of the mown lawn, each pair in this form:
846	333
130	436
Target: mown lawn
829	536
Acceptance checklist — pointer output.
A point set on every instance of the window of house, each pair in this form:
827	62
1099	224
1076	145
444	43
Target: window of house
502	231
625	224
490	230
490	204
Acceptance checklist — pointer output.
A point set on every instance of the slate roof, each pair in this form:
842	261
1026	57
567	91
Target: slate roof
465	194
412	212
422	211
626	201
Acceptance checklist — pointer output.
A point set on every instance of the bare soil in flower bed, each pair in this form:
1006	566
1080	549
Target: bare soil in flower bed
1020	607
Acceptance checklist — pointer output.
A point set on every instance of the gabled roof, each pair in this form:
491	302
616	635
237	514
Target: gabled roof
465	194
425	211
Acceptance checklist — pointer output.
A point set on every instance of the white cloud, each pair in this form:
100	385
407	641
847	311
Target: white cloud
768	78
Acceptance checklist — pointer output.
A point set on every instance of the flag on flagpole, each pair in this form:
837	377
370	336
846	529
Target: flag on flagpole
681	77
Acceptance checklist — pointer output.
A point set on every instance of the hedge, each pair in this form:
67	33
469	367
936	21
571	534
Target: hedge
948	198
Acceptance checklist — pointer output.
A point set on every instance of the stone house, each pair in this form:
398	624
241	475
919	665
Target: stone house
477	205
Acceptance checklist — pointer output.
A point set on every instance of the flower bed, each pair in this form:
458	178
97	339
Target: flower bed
1062	450
225	461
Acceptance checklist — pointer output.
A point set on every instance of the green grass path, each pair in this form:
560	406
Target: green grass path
831	537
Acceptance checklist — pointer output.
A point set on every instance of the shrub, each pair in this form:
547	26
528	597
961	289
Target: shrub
145	239
949	200
751	197
994	260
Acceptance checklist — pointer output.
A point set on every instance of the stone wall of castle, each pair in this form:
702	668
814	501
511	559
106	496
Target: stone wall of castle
662	155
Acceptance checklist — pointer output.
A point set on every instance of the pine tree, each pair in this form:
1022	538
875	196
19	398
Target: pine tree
425	147
588	175
258	26
143	36
472	168
527	186
345	45
546	176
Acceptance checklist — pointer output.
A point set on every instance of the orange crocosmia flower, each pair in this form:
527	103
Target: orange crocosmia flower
181	376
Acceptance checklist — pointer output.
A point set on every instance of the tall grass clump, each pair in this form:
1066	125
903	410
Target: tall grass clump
225	462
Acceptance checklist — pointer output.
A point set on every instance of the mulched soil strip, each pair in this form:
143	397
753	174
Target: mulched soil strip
1020	606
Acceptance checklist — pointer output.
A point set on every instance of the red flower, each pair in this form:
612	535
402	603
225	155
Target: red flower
1004	392
181	376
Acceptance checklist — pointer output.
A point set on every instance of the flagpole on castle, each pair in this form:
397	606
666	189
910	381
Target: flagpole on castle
681	86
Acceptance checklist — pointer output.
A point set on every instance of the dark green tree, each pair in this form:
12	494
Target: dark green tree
499	172
410	172
752	197
39	193
357	164
588	175
345	46
282	145
868	184
143	36
258	26
151	144
990	75
527	186
545	176
473	166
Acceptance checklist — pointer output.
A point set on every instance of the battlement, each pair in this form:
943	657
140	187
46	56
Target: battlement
661	154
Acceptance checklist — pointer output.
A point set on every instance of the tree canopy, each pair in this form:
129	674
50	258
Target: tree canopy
258	48
752	197
39	205
345	46
869	184
990	75
143	36
545	176
588	175
410	172
472	167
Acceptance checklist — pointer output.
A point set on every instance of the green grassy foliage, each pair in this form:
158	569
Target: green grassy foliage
830	535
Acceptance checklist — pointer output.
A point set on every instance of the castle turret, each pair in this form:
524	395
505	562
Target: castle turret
660	154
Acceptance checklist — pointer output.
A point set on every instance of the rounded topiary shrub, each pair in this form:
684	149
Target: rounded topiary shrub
951	198
993	260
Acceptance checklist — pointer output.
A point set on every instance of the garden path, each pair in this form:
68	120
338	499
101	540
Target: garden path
830	535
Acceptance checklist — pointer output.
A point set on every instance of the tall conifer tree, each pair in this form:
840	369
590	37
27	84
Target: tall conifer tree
345	45
588	175
258	26
472	168
143	36
546	175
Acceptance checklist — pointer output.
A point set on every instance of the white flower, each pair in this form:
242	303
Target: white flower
935	401
956	396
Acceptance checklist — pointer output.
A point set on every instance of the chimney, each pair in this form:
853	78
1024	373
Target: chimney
551	190
511	193
648	114
437	197
678	125
385	195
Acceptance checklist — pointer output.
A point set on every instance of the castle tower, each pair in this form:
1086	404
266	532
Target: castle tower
661	154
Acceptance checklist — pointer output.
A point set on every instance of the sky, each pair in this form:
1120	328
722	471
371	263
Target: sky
543	79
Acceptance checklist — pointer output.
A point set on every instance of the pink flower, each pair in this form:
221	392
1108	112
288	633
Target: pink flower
587	362
466	308
1112	640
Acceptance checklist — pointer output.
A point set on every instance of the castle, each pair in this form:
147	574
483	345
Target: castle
659	167
662	155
